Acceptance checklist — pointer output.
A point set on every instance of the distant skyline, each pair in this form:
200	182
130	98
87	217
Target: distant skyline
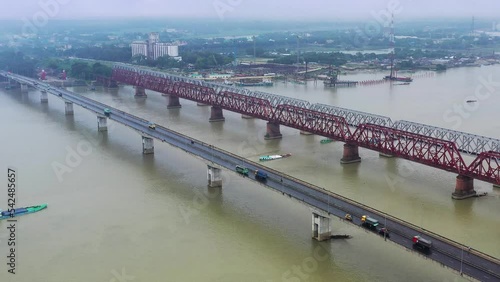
251	9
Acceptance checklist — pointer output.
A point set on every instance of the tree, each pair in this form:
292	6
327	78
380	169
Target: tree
99	69
81	70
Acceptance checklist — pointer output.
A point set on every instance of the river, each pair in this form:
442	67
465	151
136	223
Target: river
117	215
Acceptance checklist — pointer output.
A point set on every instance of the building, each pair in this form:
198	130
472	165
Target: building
154	49
139	48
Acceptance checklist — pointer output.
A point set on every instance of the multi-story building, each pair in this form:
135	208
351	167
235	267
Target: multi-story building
154	49
139	48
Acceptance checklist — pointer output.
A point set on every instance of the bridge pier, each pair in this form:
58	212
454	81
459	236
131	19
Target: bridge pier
464	188
44	98
147	145
321	227
140	92
214	176
246	117
24	87
173	102
496	186
102	123
351	154
68	108
273	131
216	114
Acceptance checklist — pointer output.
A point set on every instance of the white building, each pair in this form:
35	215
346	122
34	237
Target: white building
154	49
173	51
139	48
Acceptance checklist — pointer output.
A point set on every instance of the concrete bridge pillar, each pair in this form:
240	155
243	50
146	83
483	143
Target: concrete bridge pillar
68	108
321	227
147	145
351	154
44	98
24	87
173	102
216	114
140	92
102	123
246	117
273	131
464	188
214	176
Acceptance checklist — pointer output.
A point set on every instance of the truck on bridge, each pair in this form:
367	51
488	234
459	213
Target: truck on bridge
421	244
242	170
260	176
369	222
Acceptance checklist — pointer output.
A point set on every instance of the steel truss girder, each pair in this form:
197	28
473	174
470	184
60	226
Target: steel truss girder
466	142
486	167
353	118
419	148
327	125
274	99
433	146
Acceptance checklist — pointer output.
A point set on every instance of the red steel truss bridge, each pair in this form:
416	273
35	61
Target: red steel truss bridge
433	146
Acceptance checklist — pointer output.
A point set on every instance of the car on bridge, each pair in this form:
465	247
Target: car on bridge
152	125
107	112
369	222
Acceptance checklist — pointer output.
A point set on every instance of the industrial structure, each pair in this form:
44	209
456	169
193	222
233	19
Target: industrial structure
154	49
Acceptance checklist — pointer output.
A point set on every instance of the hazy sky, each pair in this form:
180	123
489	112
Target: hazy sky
262	9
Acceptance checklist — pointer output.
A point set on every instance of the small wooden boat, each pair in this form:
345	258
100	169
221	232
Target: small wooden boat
326	141
21	211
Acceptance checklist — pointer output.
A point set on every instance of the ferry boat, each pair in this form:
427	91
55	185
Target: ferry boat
273	157
261	83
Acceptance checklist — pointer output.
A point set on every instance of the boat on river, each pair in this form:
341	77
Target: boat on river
21	211
273	157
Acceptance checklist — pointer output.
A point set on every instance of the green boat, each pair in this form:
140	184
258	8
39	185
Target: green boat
273	157
21	211
242	170
326	141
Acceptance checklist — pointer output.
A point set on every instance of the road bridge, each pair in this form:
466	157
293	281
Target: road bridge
324	204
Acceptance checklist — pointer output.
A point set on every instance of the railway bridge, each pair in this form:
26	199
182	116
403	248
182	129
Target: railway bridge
429	145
